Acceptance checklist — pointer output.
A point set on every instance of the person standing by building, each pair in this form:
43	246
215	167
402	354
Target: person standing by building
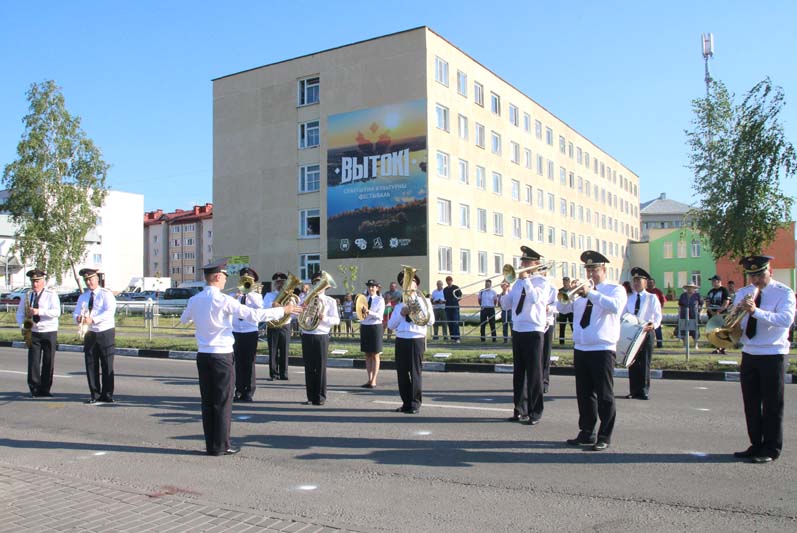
371	332
652	289
96	309
392	297
529	322
770	308
245	334
565	312
550	324
315	342
439	305
213	313
646	309
689	305
596	316
488	301
452	294
44	308
717	301
732	290
410	347
347	314
279	337
505	299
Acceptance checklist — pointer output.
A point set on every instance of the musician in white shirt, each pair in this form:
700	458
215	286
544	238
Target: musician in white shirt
410	347
315	346
371	332
645	309
44	308
505	299
488	300
245	334
279	338
213	313
551	311
596	330
769	307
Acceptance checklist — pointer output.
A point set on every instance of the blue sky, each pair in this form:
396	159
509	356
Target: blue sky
621	73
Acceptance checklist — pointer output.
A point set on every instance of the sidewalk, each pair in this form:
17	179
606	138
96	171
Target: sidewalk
32	500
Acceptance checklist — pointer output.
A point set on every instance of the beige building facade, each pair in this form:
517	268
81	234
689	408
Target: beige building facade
177	244
501	171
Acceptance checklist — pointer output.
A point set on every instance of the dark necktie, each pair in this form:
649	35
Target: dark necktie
752	323
584	322
91	301
243	299
636	305
521	301
35	305
369	302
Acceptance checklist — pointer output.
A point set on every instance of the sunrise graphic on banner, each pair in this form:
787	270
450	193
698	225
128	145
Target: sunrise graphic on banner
376	182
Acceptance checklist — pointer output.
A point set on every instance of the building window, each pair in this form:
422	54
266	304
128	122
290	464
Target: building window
498	263
177	228
97	259
176	242
563	238
495	104
579	155
540	165
681	278
478	93
442	164
309	178
462	83
562	144
530	230
482	263
479	140
188	227
309	223
526	122
681	249
309	90
551	203
515	152
667	250
190	270
481	182
527	158
551	235
210	233
541	233
668	280
463	171
188	242
540	199
309	264
481	220
516	228
464	260
497	183
538	129
570	150
495	145
549	136
464	215
441	71
309	134
442	117
550	170
529	194
516	190
444	212
498	223
586	159
444	258
563	207
514	119
562	176
463	127
696	250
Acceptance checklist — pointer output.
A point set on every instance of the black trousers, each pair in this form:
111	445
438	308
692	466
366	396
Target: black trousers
244	352
639	371
216	372
564	319
506	319
595	392
98	350
279	342
440	322
547	346
409	367
41	361
527	376
314	353
761	377
486	315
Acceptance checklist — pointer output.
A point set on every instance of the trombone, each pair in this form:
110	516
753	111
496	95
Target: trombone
510	274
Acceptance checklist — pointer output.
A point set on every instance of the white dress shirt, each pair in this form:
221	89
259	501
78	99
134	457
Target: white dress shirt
213	312
506	301
49	311
330	318
103	309
437	295
649	308
269	298
533	314
375	312
243	325
603	332
550	307
487	298
775	315
408	330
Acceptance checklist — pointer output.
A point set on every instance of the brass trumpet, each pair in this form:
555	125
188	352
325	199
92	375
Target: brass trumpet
725	331
509	274
565	296
414	300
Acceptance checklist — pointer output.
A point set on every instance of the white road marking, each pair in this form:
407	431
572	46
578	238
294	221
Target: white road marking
445	406
338	392
100	453
423	433
307	487
243	417
701	388
698	454
25	373
702	409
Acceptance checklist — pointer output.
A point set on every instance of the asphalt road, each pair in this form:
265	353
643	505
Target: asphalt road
457	466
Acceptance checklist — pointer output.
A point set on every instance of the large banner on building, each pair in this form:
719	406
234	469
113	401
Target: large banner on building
376	182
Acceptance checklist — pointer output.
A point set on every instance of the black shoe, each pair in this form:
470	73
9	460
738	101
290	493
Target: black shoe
105	400
581	441
272	378
600	446
545	389
322	402
308	402
532	421
366	386
44	395
246	399
762	459
399	410
513	418
284	378
523	419
412	411
90	401
642	397
231	451
752	451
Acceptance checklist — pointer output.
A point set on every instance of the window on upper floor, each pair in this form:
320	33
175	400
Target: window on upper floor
309	223
309	91
442	117
309	178
495	104
309	134
514	118
441	71
478	93
462	83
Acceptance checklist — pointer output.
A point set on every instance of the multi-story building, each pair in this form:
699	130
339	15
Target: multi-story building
111	246
177	244
661	213
403	149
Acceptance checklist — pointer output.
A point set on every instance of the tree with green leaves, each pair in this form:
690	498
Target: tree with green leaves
739	154
55	186
349	273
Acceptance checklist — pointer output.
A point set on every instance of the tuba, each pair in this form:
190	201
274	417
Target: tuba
27	324
314	307
413	299
285	297
725	331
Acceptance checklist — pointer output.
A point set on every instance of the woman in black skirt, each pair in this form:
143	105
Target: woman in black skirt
371	330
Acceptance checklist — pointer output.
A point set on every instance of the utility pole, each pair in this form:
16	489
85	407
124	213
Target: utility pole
707	41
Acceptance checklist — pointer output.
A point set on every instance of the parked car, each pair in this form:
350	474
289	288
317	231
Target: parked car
70	297
18	294
180	293
143	296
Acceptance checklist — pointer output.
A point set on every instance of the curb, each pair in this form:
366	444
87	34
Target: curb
428	366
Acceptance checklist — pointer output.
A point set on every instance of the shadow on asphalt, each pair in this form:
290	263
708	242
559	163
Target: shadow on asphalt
96	447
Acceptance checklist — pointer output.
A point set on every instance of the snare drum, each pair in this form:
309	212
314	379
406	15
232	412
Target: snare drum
632	335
